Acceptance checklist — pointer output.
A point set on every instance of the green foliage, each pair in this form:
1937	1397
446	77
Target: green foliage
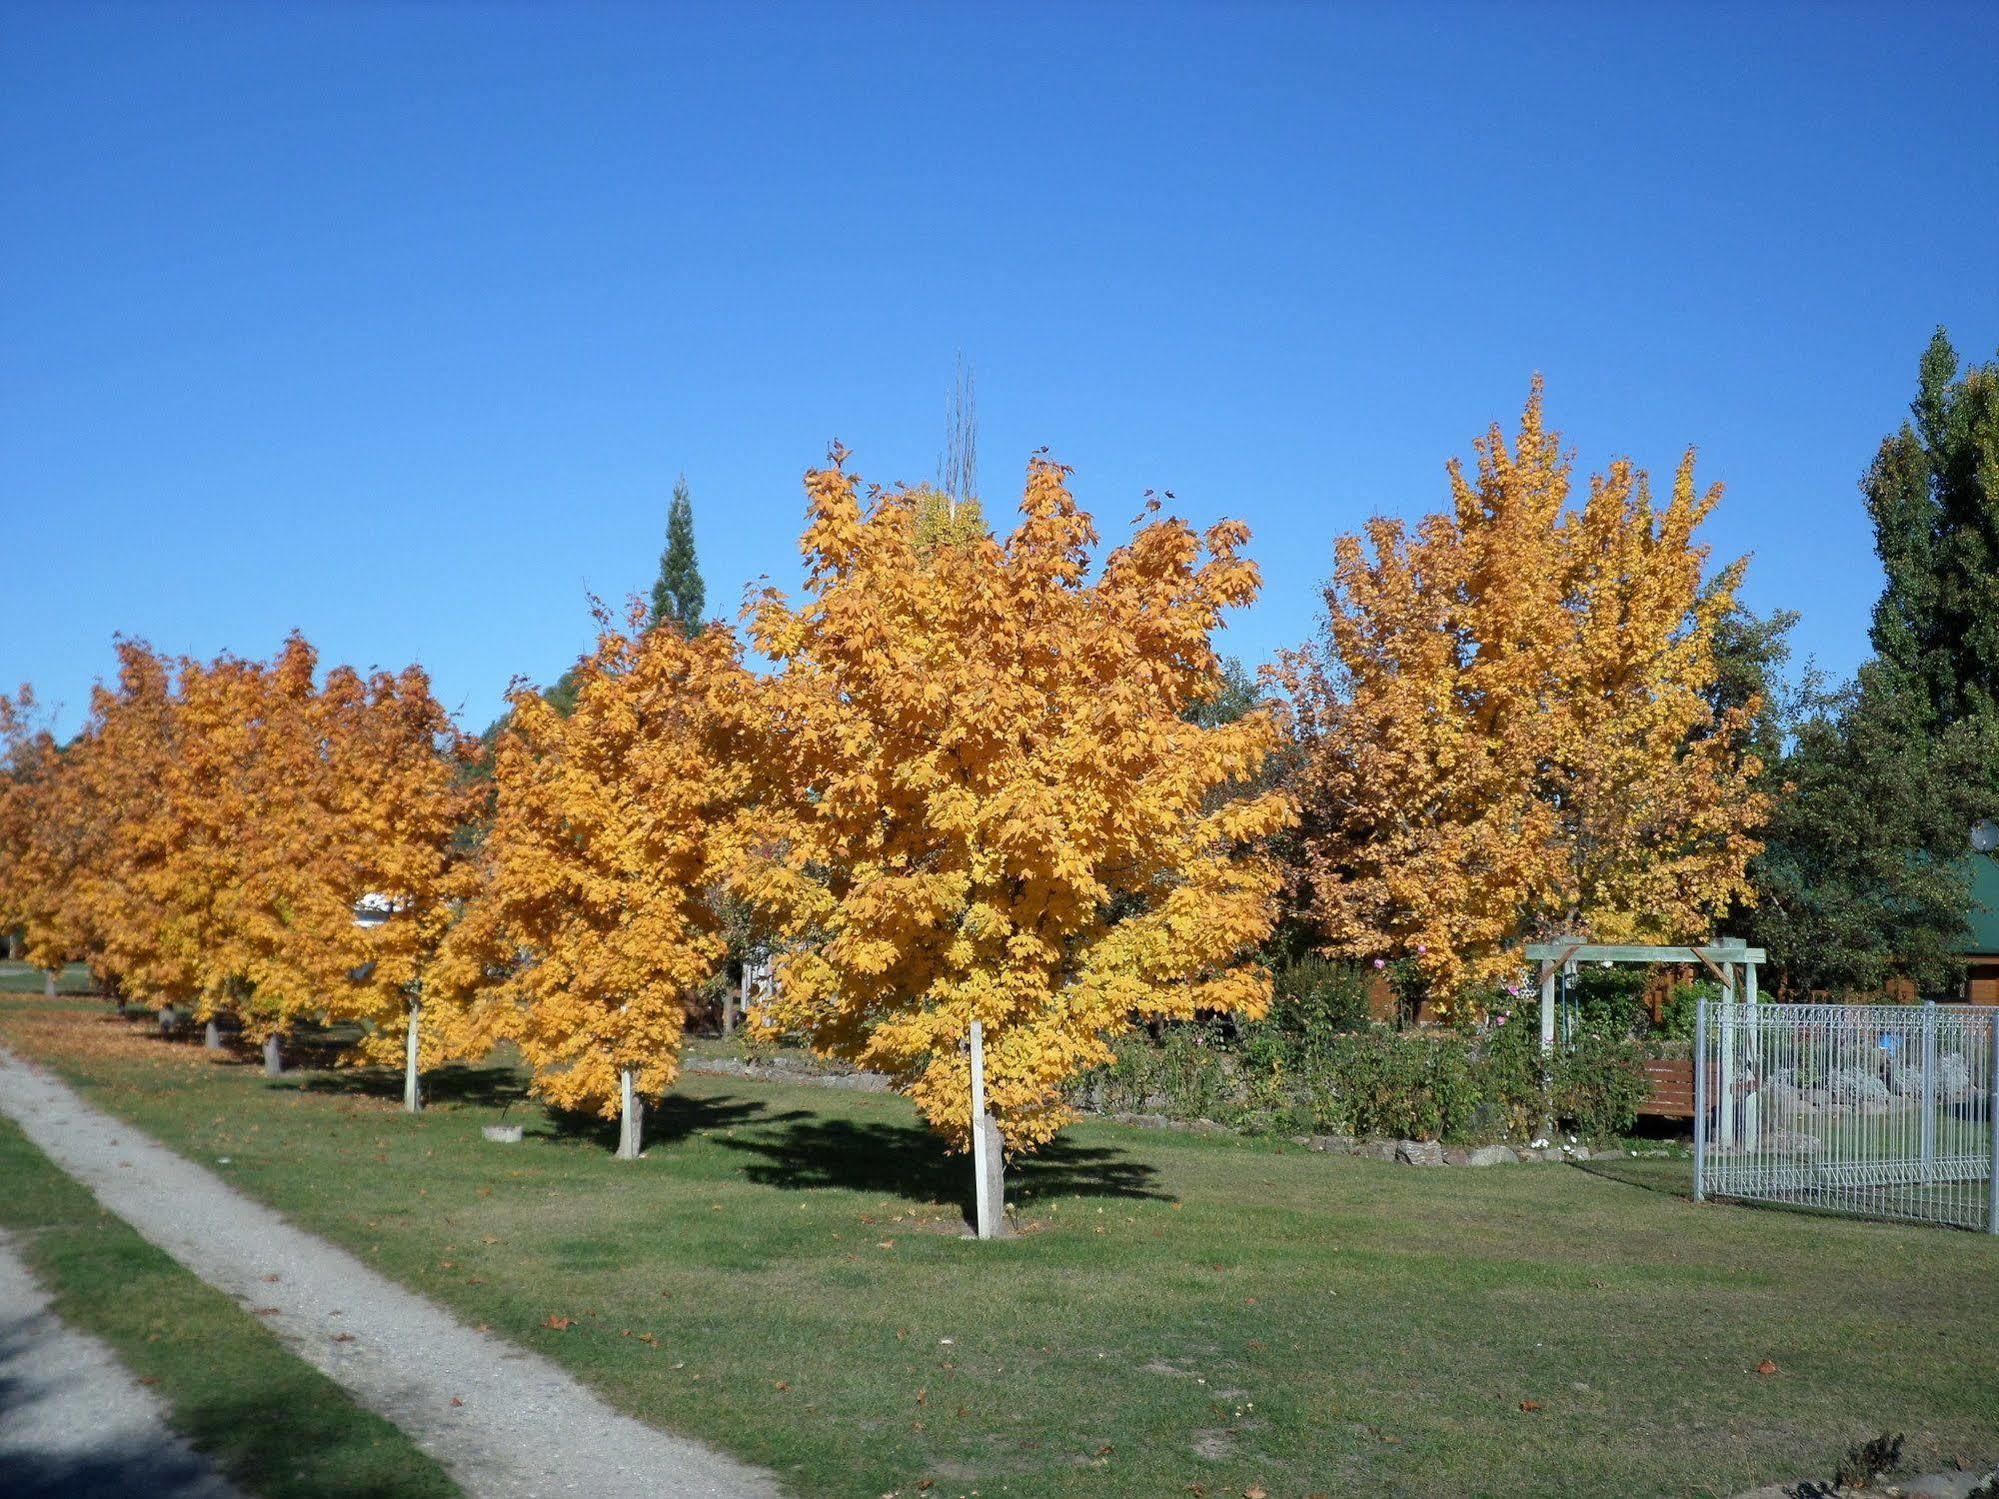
1236	695
679	597
1319	997
1611	1001
1372	1082
1862	875
1681	1009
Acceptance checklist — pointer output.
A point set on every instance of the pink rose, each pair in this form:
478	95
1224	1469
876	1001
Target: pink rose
1381	962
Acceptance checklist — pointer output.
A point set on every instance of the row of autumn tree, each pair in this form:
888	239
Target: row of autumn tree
988	778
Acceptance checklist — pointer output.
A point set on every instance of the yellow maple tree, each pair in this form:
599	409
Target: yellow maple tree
593	927
47	838
980	795
1507	727
399	807
124	765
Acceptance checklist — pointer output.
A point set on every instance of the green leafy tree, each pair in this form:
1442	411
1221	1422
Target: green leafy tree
1865	873
1933	495
679	596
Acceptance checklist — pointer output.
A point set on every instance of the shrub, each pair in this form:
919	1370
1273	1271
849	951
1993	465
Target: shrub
1676	1015
1317	997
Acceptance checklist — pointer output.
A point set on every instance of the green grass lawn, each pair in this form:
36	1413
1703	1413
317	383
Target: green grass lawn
264	1416
783	1276
19	978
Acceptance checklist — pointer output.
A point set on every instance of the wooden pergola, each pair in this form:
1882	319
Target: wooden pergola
1722	958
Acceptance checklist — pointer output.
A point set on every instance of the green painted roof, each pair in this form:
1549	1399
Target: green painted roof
1984	935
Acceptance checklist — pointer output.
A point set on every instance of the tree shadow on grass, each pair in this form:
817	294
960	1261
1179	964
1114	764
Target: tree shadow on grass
327	1451
453	1083
908	1161
1669	1177
668	1121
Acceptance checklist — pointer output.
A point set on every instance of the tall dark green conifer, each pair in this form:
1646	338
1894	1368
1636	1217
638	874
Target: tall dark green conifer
1864	873
679	596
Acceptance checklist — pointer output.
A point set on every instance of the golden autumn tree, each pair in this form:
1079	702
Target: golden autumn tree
980	796
124	770
1507	727
399	806
46	841
592	929
285	918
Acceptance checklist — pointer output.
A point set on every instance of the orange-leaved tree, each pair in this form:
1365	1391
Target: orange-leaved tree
124	765
1507	727
47	836
593	927
401	804
981	796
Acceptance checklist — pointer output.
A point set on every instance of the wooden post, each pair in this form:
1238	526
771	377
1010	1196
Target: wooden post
631	1122
988	1151
1725	1120
412	1091
274	1062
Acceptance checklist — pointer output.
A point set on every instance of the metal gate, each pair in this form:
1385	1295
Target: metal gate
1885	1111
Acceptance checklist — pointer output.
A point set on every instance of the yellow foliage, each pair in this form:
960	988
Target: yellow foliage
979	796
1507	725
592	927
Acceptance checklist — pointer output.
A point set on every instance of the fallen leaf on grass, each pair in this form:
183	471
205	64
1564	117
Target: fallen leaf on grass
1766	1367
343	1337
1530	1405
560	1324
456	1401
267	1311
1254	1492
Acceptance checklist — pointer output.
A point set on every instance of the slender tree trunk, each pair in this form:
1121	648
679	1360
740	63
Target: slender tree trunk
169	1019
211	1038
631	1117
49	984
412	1091
274	1062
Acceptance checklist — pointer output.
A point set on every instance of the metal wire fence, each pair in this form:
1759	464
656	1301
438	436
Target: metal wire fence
1885	1111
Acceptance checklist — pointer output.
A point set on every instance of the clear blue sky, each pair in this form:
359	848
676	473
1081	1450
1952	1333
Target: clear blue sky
395	323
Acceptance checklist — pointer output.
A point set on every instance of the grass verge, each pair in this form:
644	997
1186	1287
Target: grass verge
782	1276
267	1419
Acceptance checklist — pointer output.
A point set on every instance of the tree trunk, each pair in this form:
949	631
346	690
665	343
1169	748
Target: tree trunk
49	984
995	1226
211	1038
631	1116
169	1020
274	1062
728	1010
412	1092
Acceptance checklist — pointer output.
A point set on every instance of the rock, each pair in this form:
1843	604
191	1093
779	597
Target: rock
1789	1142
1850	1088
1335	1143
1492	1155
1456	1157
1606	1155
1953	1077
1143	1121
1380	1150
1419	1152
504	1134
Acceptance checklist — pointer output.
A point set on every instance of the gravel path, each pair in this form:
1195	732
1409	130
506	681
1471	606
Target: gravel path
525	1429
74	1424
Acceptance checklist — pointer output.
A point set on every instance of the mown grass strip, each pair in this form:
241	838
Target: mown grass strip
267	1419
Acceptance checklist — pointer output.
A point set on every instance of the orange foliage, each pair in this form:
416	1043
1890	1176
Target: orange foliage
980	796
